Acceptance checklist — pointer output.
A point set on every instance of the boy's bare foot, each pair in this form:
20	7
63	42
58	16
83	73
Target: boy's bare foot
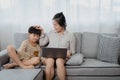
9	65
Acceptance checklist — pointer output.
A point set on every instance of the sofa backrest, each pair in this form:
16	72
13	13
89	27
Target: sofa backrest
86	42
18	38
78	37
89	45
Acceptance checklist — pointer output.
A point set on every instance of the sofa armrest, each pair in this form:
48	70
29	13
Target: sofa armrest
4	58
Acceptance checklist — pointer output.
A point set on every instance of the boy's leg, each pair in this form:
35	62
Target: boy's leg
9	65
33	61
15	58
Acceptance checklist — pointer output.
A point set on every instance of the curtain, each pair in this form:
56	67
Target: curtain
81	15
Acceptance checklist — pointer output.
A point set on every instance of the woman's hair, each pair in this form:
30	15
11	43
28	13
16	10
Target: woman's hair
60	18
34	30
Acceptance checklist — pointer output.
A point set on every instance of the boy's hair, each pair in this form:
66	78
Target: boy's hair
33	30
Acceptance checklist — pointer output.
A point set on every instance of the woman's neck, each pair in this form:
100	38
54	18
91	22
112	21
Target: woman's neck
61	32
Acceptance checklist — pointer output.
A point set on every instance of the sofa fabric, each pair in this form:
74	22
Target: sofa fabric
94	67
3	57
75	60
93	78
89	44
18	38
109	48
78	37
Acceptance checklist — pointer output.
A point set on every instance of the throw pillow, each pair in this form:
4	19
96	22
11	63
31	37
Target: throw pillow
75	60
109	48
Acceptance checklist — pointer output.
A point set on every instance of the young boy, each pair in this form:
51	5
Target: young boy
28	55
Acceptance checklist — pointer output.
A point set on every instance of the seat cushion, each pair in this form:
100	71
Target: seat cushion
93	67
88	62
109	48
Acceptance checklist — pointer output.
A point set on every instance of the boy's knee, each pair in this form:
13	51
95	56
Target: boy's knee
9	48
37	60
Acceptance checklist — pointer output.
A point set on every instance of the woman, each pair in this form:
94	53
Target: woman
58	38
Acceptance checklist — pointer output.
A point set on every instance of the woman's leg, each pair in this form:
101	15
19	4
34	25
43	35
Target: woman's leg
12	53
49	71
61	71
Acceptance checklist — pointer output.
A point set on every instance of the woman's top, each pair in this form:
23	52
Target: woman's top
65	40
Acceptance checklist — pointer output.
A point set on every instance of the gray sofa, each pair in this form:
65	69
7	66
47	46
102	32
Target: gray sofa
93	66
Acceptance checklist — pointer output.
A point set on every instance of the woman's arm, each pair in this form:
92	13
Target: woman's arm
43	40
72	44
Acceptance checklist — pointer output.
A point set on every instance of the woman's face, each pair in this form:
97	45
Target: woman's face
57	27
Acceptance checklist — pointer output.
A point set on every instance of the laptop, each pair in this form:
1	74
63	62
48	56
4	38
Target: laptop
54	52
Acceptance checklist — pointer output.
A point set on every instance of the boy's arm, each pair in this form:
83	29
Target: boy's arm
23	48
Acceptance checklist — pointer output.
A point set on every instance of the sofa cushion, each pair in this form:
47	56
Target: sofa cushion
109	48
75	60
97	63
78	37
89	44
18	38
94	67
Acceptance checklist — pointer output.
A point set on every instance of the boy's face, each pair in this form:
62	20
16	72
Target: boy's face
34	37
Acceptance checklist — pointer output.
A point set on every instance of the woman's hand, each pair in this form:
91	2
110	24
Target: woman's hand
68	54
40	28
